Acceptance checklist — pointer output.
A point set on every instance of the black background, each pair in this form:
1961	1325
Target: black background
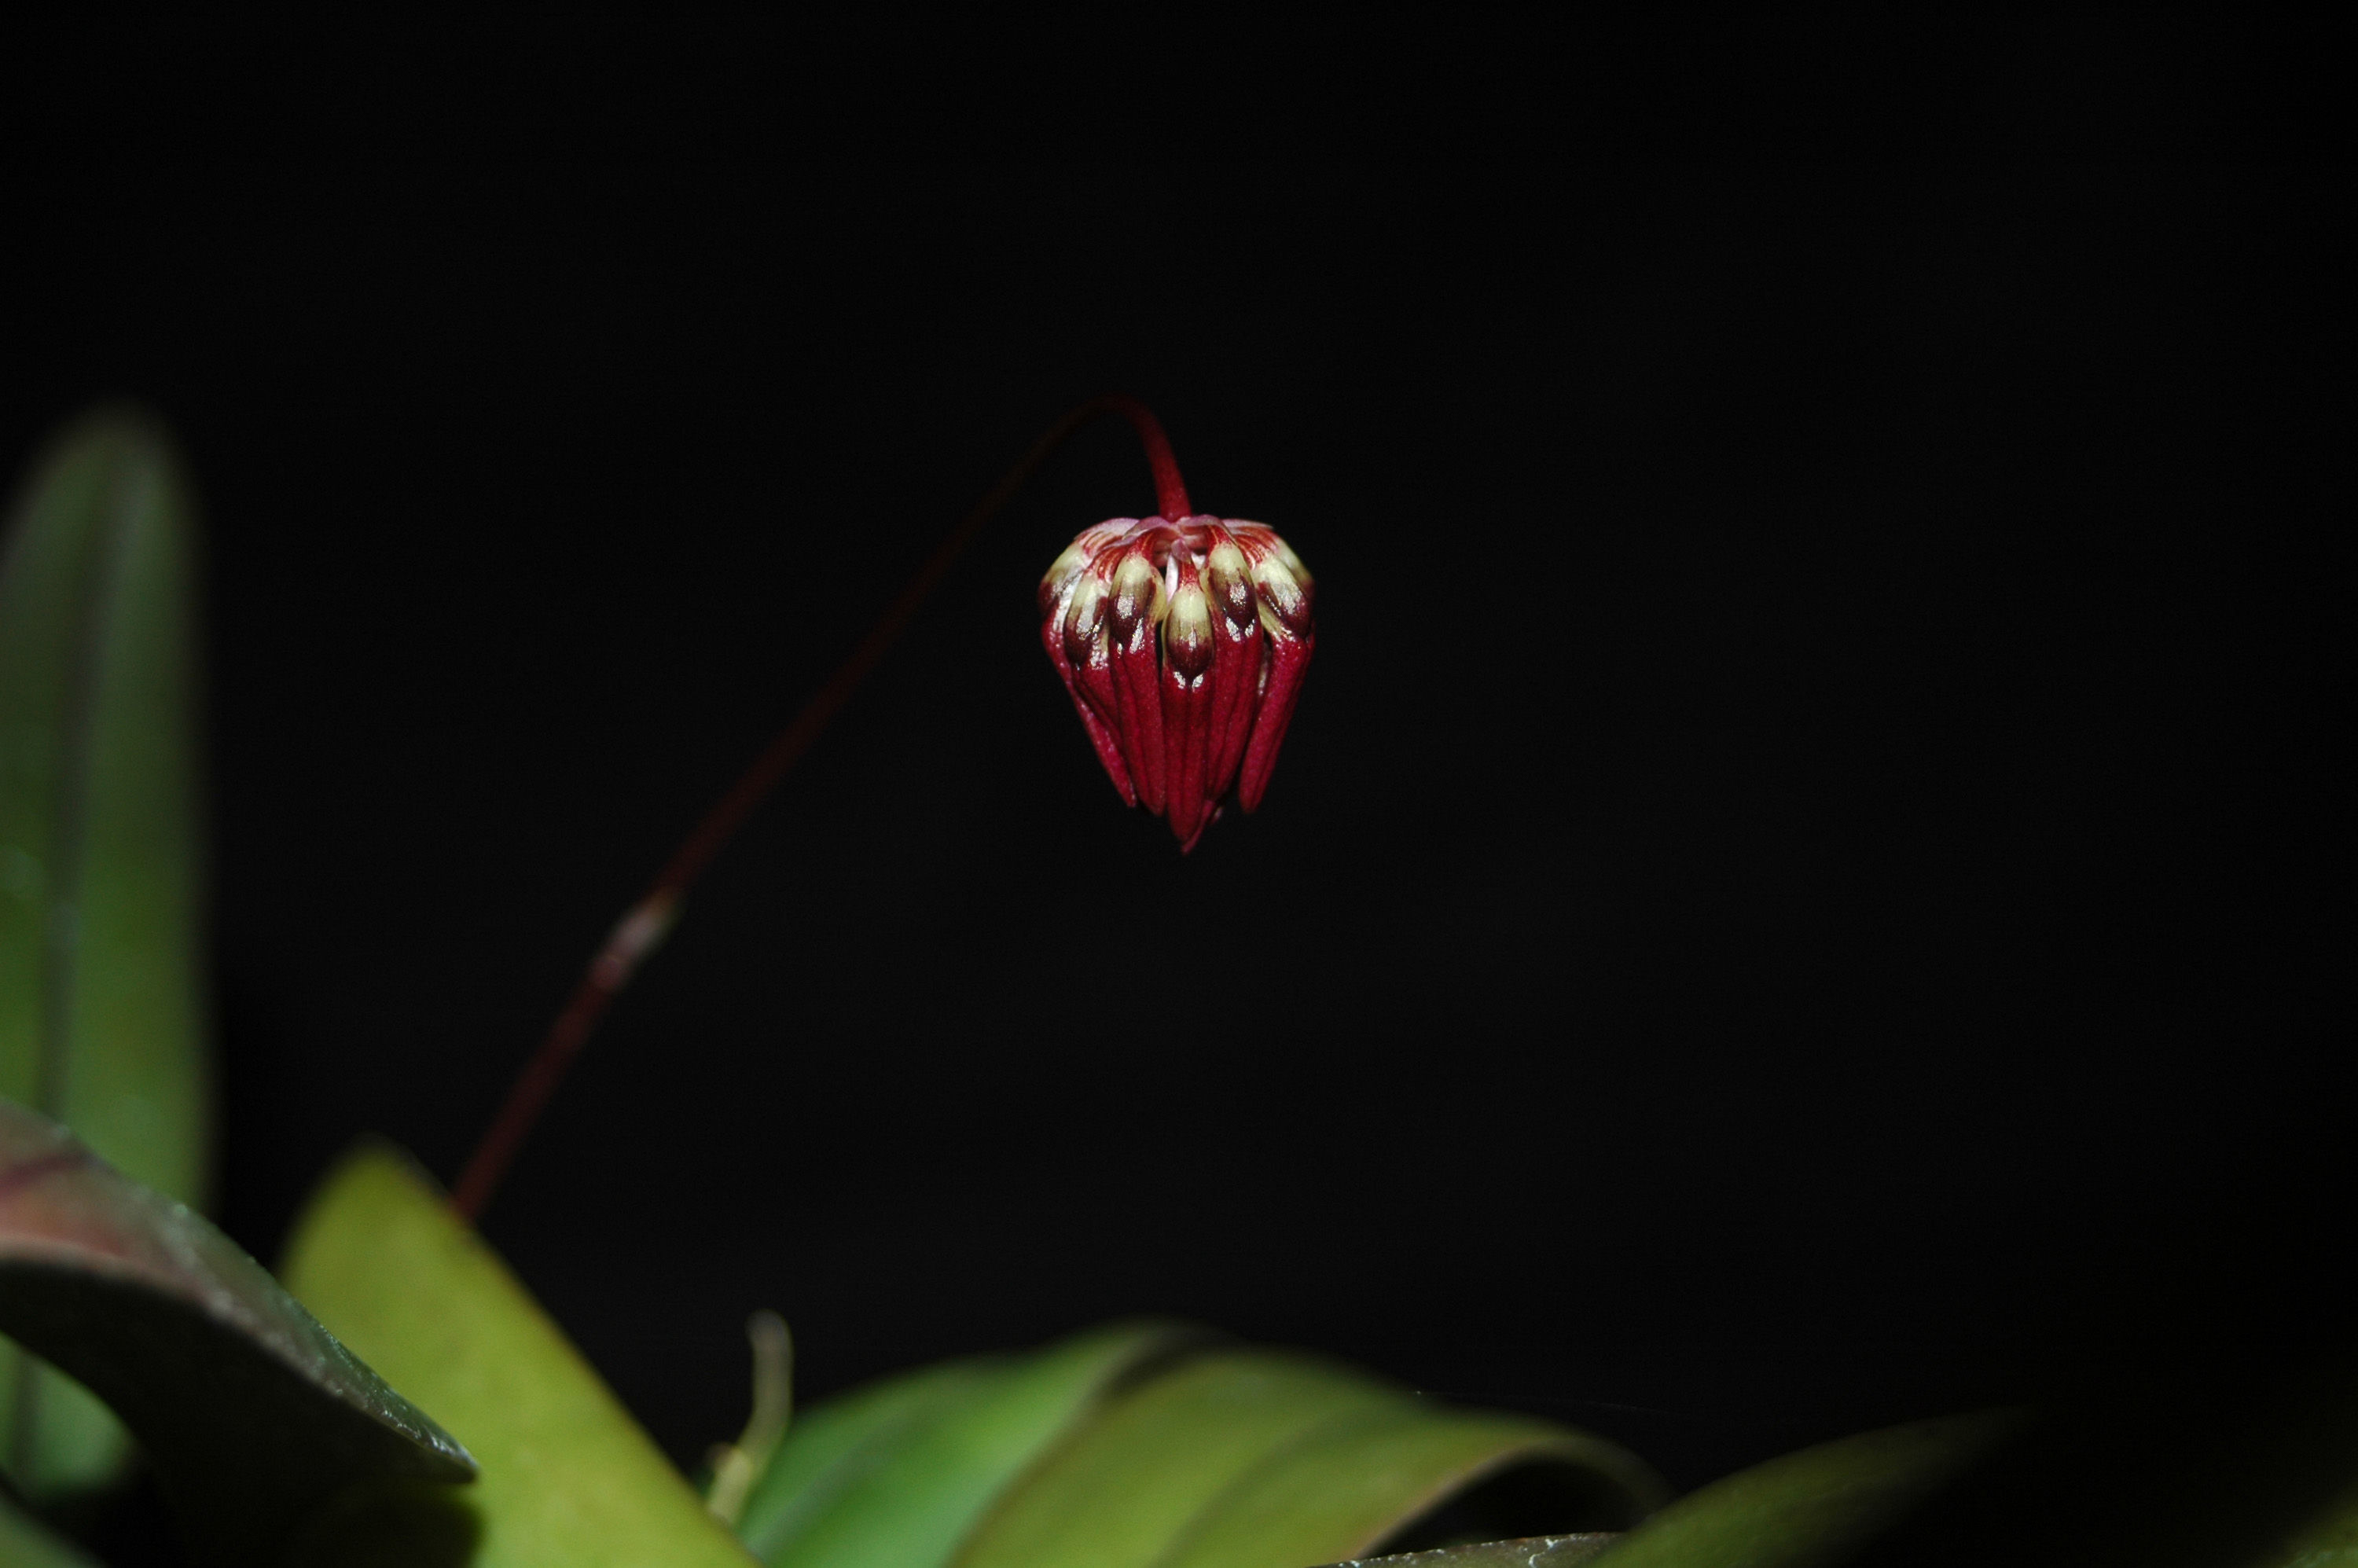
1801	892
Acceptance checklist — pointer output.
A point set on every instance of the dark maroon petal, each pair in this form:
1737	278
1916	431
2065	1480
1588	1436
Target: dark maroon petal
1188	656
1236	660
1139	709
1137	660
1089	646
1100	732
1289	660
1211	815
1187	734
1237	667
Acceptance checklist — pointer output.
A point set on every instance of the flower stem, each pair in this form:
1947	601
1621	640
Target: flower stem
644	927
1169	490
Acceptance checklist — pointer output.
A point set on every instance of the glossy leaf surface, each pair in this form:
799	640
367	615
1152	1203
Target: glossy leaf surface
568	1480
896	1476
1133	1480
1352	1484
1532	1551
1818	1506
1169	1453
252	1413
101	961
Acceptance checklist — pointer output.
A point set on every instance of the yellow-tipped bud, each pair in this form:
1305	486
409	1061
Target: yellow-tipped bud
1285	605
1187	632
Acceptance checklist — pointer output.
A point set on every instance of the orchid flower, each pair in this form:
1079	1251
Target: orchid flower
1184	644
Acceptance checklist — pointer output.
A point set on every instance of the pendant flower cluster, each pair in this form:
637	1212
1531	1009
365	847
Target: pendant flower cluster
1183	645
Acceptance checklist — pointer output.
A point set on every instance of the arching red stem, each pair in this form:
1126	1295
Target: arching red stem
1169	490
643	928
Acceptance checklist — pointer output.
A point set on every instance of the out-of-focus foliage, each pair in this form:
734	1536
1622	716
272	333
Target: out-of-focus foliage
102	1015
568	1480
1138	1445
25	1543
251	1415
1133	1446
1819	1506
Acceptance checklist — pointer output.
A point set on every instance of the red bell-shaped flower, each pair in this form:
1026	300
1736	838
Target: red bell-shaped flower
1183	645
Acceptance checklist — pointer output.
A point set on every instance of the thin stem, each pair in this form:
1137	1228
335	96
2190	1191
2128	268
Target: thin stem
1169	490
737	1466
644	927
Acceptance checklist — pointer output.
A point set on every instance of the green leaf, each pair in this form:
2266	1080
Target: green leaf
1818	1506
896	1476
568	1480
25	1543
100	875
1130	1481
835	1445
250	1412
1352	1484
1136	1446
2329	1540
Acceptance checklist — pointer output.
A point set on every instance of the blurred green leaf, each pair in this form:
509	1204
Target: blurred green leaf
102	1015
1819	1506
1129	1481
896	1476
1137	1446
836	1444
250	1412
2328	1540
25	1543
568	1480
1352	1484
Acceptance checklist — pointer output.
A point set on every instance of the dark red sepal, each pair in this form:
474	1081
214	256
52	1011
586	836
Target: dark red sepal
1100	732
1289	660
1131	623
1187	665
1235	659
